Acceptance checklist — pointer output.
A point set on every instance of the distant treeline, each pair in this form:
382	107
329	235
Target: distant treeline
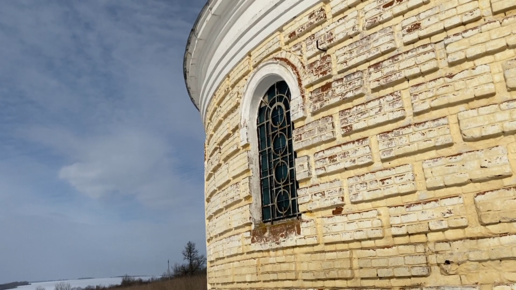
13	285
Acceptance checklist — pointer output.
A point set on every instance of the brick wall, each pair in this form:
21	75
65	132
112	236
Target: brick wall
405	152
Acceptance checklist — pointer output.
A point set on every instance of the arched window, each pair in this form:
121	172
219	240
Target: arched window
276	154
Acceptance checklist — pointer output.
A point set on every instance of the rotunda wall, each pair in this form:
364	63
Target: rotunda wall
404	117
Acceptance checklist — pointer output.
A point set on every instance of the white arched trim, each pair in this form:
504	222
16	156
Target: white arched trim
264	76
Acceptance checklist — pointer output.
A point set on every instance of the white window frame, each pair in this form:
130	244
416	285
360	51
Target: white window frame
263	77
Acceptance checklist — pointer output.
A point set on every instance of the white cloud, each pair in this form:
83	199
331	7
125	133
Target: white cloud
128	162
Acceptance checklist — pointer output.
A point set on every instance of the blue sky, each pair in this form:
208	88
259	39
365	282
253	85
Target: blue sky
101	150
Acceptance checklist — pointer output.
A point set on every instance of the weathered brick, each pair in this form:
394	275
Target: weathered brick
381	184
486	39
345	228
365	49
222	199
302	25
225	247
303	233
489	121
338	91
345	156
319	69
472	166
228	220
343	28
334	265
239	163
437	19
303	169
240	70
500	6
314	133
397	263
380	11
497	206
424	217
339	6
319	196
388	108
415	138
403	66
456	88
509	68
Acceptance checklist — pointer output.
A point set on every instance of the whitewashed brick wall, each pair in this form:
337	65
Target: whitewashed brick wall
397	261
463	168
343	28
403	66
340	90
341	157
352	227
441	17
489	121
314	133
365	49
489	38
302	25
423	217
454	88
388	108
496	206
416	192
415	138
380	11
322	195
382	184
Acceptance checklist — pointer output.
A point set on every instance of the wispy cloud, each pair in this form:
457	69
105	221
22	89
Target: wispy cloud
97	136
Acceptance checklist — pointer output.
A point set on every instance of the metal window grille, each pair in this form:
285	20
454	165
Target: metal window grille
277	171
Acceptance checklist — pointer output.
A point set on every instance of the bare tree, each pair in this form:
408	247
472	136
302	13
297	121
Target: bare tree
63	286
194	262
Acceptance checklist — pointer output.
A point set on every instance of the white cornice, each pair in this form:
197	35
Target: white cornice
225	32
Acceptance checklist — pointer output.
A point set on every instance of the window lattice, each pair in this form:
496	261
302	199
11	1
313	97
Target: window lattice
277	172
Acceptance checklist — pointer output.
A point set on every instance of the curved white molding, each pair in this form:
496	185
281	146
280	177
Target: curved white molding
264	76
225	32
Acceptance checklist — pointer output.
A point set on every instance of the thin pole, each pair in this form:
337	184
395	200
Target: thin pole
168	261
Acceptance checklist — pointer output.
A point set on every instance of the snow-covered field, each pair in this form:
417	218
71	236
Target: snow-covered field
78	283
